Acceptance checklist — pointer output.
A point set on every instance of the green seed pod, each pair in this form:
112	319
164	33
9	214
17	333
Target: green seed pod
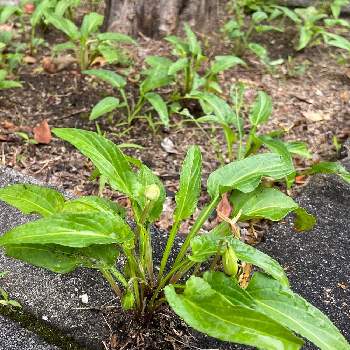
128	300
229	261
152	192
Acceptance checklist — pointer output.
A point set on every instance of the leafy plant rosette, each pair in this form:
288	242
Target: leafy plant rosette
92	232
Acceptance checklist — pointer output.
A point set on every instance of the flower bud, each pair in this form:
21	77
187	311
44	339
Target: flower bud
229	261
152	192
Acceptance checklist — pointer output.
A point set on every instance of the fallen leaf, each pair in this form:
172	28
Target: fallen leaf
316	116
8	125
99	61
168	146
244	276
29	8
29	59
300	179
224	208
42	133
48	65
57	64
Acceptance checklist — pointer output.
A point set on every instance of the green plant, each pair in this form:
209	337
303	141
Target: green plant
7	84
4	297
251	18
86	42
11	52
91	232
133	108
186	70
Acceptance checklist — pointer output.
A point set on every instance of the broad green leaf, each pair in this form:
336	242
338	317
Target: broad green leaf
7	11
71	230
212	104
179	65
223	63
117	37
64	25
63	5
193	43
331	168
160	62
39	12
158	75
109	53
261	110
207	245
259	16
160	106
190	184
295	313
279	147
60	259
305	37
90	204
106	156
258	50
265	203
332	22
229	288
299	148
3	73
146	177
337	41
113	79
33	199
245	175
91	23
254	256
10	84
210	311
303	220
289	13
106	105
181	47
52	257
63	47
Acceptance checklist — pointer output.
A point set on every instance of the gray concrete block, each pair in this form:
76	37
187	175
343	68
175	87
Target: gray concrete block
53	298
317	263
14	337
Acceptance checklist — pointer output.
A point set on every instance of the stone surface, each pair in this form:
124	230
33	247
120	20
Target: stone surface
317	264
14	337
54	298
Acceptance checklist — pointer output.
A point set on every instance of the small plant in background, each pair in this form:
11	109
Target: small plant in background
92	232
133	107
4	297
186	71
6	83
11	52
251	18
86	42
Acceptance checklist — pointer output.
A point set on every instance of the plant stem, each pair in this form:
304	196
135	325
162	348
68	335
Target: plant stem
125	99
168	247
107	275
250	140
203	216
163	282
119	276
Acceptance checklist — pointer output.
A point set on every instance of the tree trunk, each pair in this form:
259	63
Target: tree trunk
155	18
